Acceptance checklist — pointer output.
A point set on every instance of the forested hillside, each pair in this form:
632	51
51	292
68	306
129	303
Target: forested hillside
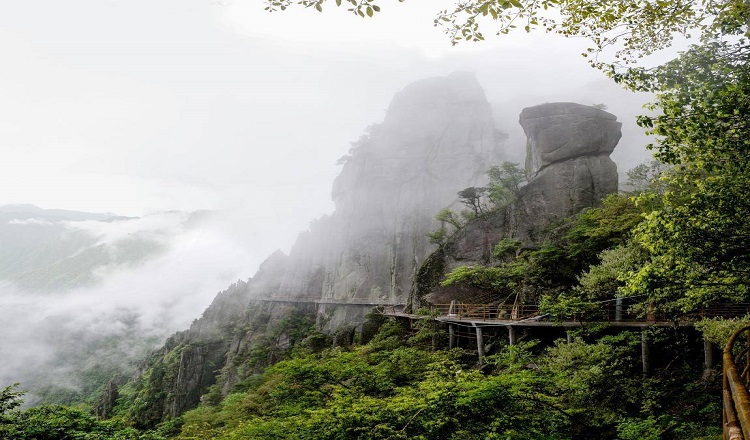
553	233
393	381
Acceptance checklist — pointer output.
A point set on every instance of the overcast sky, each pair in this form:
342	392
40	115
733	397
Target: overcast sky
133	107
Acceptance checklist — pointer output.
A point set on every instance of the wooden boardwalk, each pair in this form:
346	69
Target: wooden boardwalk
736	403
321	300
613	314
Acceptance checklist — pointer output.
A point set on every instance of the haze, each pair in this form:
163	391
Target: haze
141	107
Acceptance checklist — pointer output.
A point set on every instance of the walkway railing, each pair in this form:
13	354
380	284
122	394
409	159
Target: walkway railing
736	374
321	300
486	312
613	311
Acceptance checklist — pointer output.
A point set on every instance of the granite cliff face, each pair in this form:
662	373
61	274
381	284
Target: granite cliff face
438	136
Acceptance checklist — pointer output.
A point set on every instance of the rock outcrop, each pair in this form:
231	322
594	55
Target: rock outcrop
568	169
568	160
561	131
438	137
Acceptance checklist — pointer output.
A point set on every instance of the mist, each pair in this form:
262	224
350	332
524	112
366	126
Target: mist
153	110
129	304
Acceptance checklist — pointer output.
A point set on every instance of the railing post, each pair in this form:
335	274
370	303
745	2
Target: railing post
480	344
708	355
645	351
511	335
452	308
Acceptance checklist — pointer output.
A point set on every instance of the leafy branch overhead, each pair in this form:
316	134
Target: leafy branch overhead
632	28
358	7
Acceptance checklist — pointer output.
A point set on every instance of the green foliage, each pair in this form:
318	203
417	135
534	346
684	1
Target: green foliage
604	280
719	330
374	392
447	218
591	377
645	429
646	177
566	306
397	387
472	197
505	247
505	183
10	399
597	229
438	236
361	8
386	390
634	28
699	238
501	278
428	333
587	259
55	422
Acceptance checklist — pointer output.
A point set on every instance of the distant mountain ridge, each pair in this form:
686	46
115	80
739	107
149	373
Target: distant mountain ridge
83	295
29	209
42	250
45	250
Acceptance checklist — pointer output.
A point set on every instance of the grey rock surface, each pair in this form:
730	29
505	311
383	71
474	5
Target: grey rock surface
569	169
566	130
438	137
565	188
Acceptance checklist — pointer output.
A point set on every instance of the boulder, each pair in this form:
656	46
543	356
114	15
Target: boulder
565	130
567	187
568	168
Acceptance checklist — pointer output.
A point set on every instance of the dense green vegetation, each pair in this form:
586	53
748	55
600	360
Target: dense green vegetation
401	383
389	389
396	386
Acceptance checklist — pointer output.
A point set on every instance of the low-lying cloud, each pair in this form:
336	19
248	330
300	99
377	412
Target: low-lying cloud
49	338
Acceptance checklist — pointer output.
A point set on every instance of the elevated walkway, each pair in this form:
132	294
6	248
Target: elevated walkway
612	313
320	300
